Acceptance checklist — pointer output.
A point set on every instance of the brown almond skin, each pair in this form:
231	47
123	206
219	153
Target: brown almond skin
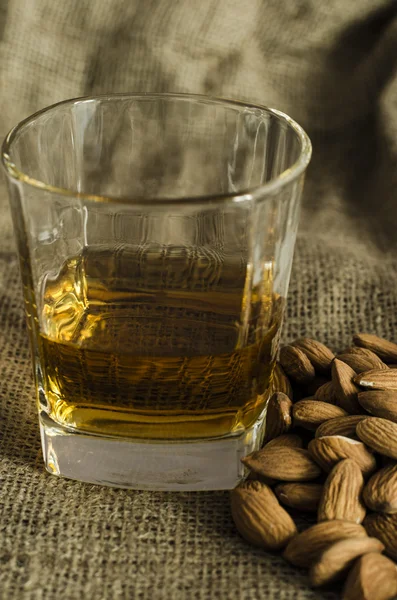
380	403
373	577
259	518
386	350
300	496
280	382
383	527
304	549
341	496
278	416
379	434
380	493
326	393
296	365
361	362
345	426
345	389
282	463
319	355
288	440
338	558
377	379
329	450
311	413
377	362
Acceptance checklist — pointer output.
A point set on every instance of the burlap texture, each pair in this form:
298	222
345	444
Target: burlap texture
332	66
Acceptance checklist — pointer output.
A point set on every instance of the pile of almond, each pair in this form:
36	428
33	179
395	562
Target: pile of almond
330	449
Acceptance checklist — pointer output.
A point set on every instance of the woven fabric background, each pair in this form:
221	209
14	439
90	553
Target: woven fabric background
333	67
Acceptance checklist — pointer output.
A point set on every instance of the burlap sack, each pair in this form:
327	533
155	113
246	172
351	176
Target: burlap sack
332	66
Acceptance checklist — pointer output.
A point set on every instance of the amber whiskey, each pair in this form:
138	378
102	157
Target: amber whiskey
144	344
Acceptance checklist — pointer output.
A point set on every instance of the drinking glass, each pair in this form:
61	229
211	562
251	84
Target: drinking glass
155	235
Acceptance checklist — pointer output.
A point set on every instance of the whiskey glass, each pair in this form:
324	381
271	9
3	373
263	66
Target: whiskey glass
155	235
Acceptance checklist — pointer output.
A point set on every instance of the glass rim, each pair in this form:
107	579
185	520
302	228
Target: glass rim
247	194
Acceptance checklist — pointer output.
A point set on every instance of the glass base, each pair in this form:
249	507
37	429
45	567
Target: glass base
212	464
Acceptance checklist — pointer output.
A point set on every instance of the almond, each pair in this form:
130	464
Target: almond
380	493
301	496
329	450
280	382
338	558
386	350
380	435
341	497
319	355
259	517
304	549
384	527
311	413
381	403
283	463
373	577
326	393
278	415
296	364
361	362
289	440
378	379
378	362
345	389
345	426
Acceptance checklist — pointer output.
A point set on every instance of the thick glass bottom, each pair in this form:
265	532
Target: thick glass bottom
199	464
